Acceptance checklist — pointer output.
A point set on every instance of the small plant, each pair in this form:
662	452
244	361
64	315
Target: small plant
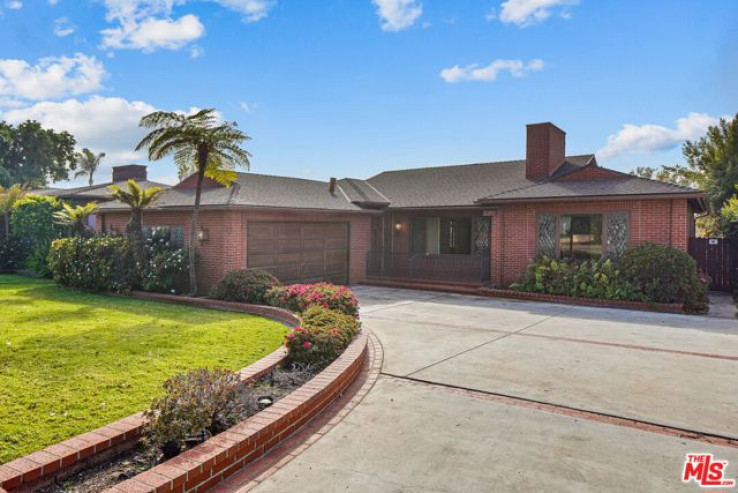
246	285
300	297
322	338
201	401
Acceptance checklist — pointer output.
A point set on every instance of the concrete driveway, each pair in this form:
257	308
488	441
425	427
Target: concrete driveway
481	394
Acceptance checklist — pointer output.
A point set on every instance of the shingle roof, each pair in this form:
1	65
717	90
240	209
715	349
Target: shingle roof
95	192
468	185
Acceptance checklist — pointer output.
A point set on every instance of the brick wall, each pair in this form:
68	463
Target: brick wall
225	248
545	150
514	229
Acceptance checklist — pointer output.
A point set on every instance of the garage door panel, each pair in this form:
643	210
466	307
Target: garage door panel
258	246
300	252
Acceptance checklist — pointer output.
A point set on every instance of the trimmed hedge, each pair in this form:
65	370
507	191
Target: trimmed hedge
300	297
95	264
650	273
13	251
323	336
246	285
33	220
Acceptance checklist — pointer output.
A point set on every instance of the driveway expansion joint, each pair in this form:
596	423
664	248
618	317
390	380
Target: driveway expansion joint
600	417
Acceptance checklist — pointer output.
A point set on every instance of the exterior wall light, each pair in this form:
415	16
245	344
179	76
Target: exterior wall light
202	235
398	227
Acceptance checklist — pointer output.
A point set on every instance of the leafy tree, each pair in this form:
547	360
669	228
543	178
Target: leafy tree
200	144
32	219
75	218
676	175
137	199
31	155
729	214
88	162
8	198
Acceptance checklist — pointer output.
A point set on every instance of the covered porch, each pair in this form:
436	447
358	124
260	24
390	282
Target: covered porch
438	246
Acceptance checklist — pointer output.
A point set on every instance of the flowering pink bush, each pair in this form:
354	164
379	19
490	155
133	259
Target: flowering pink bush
300	297
321	339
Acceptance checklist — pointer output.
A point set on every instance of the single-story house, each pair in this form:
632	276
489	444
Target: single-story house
465	224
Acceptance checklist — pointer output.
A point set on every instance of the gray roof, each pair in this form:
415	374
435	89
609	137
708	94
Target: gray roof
95	192
468	185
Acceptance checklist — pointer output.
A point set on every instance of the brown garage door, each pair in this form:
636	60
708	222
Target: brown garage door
300	252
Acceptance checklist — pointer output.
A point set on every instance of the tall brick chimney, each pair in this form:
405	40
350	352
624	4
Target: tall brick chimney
129	172
545	150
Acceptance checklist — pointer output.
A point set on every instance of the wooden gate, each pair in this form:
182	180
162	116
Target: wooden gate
718	258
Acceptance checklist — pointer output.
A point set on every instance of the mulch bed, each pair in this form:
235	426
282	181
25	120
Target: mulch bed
276	385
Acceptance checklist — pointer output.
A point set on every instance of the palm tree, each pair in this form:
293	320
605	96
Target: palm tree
200	144
88	162
75	218
137	199
8	198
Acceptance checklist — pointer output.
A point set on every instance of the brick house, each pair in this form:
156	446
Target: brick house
466	224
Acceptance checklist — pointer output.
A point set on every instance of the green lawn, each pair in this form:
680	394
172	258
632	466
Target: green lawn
71	362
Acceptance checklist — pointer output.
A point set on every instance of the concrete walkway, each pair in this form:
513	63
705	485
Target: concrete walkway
491	395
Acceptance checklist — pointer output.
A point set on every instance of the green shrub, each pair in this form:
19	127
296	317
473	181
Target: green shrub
13	251
33	219
95	264
578	278
193	403
300	297
246	285
666	274
165	268
323	336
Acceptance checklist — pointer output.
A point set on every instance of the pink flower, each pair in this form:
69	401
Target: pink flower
306	344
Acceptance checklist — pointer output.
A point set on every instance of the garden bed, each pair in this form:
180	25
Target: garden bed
595	302
275	385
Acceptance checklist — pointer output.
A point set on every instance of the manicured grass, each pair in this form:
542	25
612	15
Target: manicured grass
71	362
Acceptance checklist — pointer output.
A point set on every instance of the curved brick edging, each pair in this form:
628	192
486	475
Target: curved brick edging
93	447
206	465
595	302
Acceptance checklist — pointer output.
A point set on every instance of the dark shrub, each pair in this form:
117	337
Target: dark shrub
193	403
95	264
165	268
322	338
578	278
33	220
247	285
666	274
300	297
13	251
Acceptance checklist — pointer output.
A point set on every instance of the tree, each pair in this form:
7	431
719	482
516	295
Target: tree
715	158
88	162
200	144
676	175
33	220
8	198
32	156
137	199
75	218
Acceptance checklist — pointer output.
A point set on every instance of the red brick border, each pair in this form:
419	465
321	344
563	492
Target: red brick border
206	465
595	302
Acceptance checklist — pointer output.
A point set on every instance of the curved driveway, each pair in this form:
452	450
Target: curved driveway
481	394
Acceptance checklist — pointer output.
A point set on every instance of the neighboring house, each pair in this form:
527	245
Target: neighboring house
101	192
471	224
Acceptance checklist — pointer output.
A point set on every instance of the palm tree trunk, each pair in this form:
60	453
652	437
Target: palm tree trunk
195	223
135	234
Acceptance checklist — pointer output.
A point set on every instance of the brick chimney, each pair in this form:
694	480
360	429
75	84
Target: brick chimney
545	150
129	172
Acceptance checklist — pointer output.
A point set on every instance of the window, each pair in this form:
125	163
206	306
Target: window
581	236
172	234
442	235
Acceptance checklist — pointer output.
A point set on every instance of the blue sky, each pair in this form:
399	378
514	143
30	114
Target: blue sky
353	87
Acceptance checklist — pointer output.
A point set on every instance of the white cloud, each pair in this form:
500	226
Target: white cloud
150	25
196	52
640	139
151	34
53	2
525	13
13	5
63	27
247	107
51	77
489	73
102	124
397	15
